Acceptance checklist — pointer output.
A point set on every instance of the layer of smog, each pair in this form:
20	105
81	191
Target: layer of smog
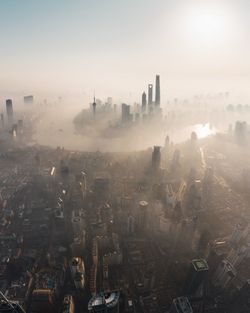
107	127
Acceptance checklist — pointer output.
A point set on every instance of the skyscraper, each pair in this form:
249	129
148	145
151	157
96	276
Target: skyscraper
104	302
143	215
196	277
224	275
9	306
150	94
126	115
156	158
94	107
157	91
9	110
144	102
181	305
2	120
28	99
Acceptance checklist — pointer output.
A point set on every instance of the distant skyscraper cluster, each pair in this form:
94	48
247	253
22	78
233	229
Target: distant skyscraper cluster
153	106
148	107
150	104
9	120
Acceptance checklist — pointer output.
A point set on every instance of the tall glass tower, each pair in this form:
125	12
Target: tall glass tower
157	91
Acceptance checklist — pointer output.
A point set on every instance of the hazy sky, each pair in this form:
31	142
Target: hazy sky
117	46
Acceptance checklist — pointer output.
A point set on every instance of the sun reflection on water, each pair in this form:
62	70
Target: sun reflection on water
203	130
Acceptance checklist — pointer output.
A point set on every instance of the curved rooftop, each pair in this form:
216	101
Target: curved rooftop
104	299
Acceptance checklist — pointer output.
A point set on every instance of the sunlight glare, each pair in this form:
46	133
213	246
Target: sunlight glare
206	25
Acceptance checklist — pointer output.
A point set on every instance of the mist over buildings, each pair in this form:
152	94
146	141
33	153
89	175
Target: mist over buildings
71	120
124	156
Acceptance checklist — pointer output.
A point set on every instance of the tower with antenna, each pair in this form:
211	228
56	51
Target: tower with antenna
94	106
144	102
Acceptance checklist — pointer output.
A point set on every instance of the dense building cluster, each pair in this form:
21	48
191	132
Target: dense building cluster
164	229
120	232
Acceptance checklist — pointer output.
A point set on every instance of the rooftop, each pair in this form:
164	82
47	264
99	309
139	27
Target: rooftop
182	305
200	265
107	299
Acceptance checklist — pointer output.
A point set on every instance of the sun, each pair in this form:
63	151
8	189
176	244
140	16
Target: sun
206	25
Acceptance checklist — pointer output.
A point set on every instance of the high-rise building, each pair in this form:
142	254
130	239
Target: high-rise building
181	305
144	102
196	276
243	296
237	255
137	117
104	303
218	252
130	224
7	306
101	185
9	110
94	106
43	300
28	99
157	91
2	120
20	124
240	233
167	142
156	158
143	215
126	116
14	130
224	274
110	101
150	95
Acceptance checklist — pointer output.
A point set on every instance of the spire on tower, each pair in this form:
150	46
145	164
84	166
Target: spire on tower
94	105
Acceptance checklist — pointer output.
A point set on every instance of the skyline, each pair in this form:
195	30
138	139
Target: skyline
78	46
124	156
